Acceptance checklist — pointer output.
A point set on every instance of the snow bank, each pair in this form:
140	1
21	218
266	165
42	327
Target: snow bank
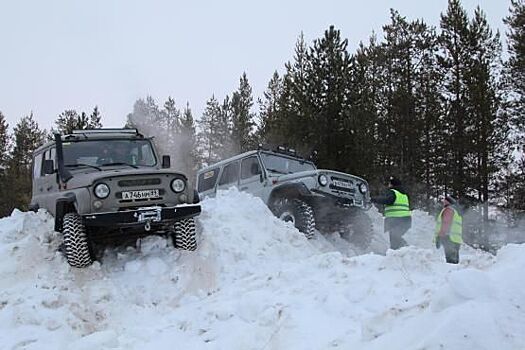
256	283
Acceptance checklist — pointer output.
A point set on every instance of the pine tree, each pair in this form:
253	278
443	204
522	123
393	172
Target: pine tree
70	120
330	128
189	150
4	142
294	108
454	59
515	86
95	119
27	137
366	84
269	111
5	206
483	105
214	138
241	116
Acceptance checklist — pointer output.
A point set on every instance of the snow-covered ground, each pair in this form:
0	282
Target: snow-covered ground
257	283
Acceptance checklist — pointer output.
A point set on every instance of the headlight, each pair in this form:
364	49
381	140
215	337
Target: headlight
102	191
323	180
363	188
178	185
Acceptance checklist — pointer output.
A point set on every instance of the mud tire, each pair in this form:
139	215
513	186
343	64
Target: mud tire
184	235
298	212
76	244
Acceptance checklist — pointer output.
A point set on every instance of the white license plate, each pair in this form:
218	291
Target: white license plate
342	184
144	194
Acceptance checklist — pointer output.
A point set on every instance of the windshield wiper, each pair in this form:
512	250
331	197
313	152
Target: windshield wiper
82	164
120	163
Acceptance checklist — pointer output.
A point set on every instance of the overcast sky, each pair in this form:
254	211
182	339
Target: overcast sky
75	54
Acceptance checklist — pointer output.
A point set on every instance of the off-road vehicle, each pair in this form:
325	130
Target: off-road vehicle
106	186
295	190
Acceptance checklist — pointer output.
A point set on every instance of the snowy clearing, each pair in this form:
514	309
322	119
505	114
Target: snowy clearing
257	283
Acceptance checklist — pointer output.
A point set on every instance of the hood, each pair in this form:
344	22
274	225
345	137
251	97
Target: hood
314	173
293	176
86	177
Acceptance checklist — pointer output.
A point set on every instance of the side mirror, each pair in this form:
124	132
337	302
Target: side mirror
166	162
49	167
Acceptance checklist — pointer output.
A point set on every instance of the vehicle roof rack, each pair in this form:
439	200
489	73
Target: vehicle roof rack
130	131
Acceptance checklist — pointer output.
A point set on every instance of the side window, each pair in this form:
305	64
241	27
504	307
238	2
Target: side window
37	165
250	167
54	155
207	180
230	174
48	154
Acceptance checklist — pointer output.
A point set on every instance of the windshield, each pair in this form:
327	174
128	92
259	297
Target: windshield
285	165
108	152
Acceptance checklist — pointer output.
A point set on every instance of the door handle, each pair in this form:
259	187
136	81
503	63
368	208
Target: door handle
41	189
49	188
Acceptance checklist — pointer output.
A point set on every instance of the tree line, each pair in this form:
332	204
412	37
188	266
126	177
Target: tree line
443	108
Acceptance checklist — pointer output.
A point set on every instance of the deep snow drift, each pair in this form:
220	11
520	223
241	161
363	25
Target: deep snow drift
256	283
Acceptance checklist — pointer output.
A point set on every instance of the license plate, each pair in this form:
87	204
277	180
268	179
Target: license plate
342	184
144	194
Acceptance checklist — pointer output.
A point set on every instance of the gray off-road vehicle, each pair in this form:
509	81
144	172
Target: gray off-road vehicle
296	191
107	186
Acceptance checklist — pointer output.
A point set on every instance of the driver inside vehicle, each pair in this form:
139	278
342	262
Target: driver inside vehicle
116	152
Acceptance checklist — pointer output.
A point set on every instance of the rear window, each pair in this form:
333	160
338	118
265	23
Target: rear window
207	180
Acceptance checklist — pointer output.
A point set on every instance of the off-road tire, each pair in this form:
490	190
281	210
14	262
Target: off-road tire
357	229
301	214
184	235
76	245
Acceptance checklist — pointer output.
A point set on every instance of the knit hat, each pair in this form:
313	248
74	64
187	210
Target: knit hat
450	199
394	181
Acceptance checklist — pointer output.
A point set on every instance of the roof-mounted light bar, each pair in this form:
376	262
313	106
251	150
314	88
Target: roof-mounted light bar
288	151
107	131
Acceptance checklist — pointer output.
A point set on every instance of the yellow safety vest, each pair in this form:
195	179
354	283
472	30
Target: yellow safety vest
400	208
456	229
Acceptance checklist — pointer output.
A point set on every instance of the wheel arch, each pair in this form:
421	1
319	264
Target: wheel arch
64	205
290	190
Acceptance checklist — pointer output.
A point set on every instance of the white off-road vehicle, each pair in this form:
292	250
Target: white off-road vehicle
296	191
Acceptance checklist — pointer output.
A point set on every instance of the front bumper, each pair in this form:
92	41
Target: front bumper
141	216
344	202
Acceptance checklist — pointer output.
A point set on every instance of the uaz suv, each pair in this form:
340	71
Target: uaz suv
108	186
296	191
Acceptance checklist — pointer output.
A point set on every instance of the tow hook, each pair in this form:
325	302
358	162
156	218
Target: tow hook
147	227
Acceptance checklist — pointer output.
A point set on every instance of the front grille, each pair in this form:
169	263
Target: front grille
341	185
139	182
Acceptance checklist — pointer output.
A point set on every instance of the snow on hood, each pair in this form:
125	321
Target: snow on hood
256	283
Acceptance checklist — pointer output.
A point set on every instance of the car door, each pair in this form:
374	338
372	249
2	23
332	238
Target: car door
37	183
229	176
49	182
251	176
206	182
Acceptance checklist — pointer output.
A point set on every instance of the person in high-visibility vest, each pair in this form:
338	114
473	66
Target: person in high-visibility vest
449	230
398	217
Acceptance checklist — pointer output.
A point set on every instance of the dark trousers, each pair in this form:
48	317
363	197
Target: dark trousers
396	228
451	250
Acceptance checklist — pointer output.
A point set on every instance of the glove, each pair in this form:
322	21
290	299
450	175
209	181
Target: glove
438	242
